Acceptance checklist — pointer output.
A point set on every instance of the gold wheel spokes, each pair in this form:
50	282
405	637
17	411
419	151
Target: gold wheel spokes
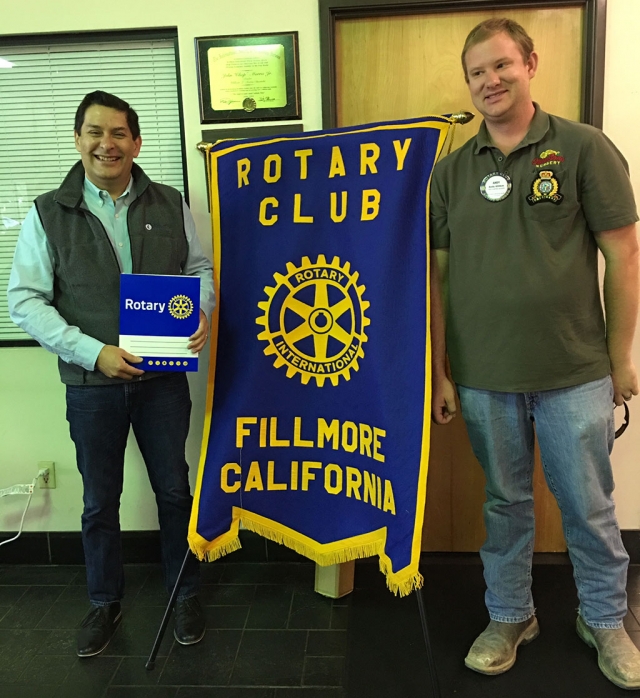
340	334
302	331
320	342
340	308
298	307
322	295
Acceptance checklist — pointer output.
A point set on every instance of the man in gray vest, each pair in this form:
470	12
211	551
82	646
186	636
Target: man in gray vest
108	218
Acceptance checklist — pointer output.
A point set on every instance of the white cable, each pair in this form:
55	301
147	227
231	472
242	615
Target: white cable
19	489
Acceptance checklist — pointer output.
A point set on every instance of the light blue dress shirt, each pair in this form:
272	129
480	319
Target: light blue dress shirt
30	289
113	216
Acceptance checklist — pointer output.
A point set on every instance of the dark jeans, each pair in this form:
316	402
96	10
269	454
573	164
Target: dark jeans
99	418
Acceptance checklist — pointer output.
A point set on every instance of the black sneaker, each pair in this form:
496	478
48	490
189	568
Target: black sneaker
97	629
190	622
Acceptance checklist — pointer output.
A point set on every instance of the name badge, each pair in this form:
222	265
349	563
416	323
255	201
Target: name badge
496	186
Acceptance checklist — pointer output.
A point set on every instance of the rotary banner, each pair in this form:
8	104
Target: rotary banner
318	406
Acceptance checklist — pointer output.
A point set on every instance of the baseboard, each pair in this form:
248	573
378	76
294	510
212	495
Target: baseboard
141	547
631	540
138	547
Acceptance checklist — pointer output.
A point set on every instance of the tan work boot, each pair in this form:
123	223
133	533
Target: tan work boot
618	657
494	650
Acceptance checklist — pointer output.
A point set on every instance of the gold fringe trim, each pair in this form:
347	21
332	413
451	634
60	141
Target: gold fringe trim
323	559
211	554
400	584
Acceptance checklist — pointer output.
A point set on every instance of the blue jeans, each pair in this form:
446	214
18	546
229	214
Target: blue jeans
575	431
99	419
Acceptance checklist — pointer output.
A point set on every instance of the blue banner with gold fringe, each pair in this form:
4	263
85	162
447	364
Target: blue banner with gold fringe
318	407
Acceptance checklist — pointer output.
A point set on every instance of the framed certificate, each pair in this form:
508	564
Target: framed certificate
248	78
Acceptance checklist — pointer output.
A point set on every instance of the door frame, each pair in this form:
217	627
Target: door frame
593	45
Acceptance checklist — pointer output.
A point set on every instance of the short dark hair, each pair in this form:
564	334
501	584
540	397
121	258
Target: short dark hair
490	27
104	99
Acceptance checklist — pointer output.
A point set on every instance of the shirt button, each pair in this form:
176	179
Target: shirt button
117	214
119	244
500	159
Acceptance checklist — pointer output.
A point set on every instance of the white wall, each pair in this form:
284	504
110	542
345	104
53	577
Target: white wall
32	406
621	107
32	421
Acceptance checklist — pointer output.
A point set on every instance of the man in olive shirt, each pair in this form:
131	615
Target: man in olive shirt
517	217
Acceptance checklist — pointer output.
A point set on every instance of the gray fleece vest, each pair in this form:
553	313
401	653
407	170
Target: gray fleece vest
86	289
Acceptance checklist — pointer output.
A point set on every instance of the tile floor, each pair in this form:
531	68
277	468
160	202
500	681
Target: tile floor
270	636
266	628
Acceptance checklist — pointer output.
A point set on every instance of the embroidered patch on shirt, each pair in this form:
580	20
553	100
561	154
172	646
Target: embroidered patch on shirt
545	188
548	157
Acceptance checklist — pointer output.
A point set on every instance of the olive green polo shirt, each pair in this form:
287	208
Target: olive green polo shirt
524	303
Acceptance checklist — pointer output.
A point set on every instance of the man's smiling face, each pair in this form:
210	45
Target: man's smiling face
107	148
498	77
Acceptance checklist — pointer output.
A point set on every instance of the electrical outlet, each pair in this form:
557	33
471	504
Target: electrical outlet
47	480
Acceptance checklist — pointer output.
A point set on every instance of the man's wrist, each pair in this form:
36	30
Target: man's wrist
619	362
87	352
439	374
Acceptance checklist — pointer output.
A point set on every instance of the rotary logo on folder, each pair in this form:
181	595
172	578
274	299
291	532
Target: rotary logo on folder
158	314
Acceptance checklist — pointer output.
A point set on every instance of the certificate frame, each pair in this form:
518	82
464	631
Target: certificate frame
251	112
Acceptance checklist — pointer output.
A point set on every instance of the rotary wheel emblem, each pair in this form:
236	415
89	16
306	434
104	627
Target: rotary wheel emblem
180	307
314	320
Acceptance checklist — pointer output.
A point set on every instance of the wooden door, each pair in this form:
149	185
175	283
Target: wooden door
397	67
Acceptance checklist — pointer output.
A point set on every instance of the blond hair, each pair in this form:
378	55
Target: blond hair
490	27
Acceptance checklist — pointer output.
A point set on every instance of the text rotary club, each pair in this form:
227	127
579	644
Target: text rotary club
272	172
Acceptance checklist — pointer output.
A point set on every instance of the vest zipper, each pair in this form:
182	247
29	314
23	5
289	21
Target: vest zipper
133	261
115	254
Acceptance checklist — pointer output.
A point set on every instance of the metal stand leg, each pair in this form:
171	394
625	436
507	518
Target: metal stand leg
151	662
435	686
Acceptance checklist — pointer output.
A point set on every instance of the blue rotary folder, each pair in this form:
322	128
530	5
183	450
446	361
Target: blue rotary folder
158	314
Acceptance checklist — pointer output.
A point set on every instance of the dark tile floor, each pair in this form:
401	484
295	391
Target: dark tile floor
270	636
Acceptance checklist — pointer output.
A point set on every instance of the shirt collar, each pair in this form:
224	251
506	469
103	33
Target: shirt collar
100	196
538	128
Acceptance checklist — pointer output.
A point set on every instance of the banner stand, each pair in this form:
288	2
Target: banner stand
318	294
435	685
151	662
